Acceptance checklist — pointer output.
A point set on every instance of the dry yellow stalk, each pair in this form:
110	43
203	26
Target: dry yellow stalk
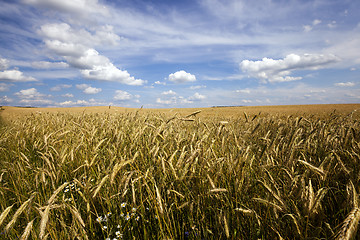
183	205
263	201
77	215
173	170
133	192
17	213
43	222
5	213
277	197
355	197
27	230
127	183
313	168
159	201
310	196
193	114
100	185
227	233
211	181
295	223
245	211
217	190
177	193
117	168
320	194
349	226
56	192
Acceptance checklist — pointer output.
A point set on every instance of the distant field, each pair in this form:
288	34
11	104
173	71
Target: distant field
279	172
226	112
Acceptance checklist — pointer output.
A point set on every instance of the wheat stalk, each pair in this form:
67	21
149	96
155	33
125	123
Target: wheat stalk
278	198
77	215
245	211
103	180
349	226
43	222
127	183
263	201
313	168
227	232
193	114
56	192
159	201
218	190
296	223
117	168
211	181
27	230
5	213
320	194
18	213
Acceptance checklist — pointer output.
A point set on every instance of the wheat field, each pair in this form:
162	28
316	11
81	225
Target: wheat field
286	172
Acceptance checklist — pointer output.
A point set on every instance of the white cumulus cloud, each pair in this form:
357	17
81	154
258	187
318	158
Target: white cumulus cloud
345	84
109	72
89	59
32	97
29	93
270	70
92	90
66	49
181	77
160	83
170	92
248	91
74	103
166	101
86	88
15	76
90	102
64	33
76	46
122	95
183	100
82	86
197	97
66	103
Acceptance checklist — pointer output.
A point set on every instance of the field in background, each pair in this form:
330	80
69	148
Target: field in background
226	112
281	172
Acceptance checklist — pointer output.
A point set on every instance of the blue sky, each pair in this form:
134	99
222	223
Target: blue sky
190	53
